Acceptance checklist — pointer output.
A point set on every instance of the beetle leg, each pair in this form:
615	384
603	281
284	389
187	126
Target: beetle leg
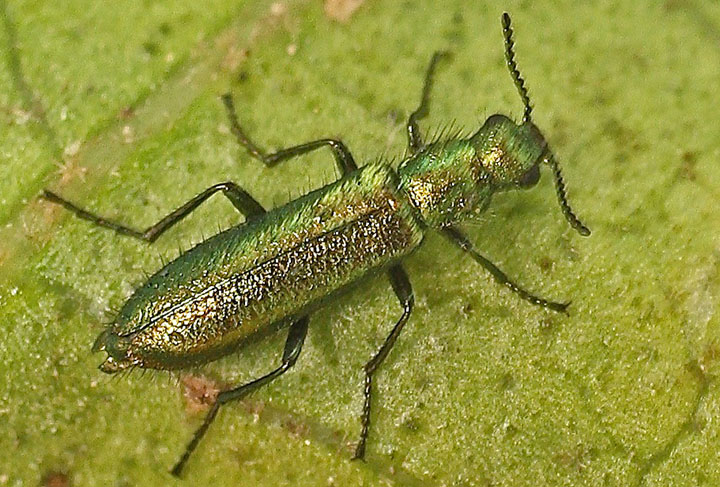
459	239
293	346
245	204
415	142
403	290
343	158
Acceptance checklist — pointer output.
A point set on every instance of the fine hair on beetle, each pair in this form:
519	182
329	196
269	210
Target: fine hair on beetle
278	266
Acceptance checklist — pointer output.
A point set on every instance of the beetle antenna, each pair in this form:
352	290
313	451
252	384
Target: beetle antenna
549	158
562	199
512	66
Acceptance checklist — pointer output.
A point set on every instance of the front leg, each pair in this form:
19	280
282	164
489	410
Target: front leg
459	239
415	142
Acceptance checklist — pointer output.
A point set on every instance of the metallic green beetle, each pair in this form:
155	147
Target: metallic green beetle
280	265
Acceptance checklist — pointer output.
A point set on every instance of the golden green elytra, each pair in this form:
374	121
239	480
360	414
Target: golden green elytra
279	265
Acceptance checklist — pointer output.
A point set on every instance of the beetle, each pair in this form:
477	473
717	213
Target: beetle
280	265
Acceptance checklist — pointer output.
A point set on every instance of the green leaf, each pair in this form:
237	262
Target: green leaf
116	107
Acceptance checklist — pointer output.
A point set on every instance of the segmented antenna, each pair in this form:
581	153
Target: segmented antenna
512	66
549	158
564	206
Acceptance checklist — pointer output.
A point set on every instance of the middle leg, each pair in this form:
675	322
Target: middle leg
343	158
403	290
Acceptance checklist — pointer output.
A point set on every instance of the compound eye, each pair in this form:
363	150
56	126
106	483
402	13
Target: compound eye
530	178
